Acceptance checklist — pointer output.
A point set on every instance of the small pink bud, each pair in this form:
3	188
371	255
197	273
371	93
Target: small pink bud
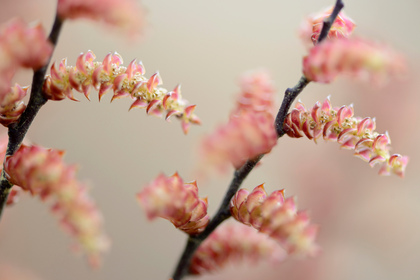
172	199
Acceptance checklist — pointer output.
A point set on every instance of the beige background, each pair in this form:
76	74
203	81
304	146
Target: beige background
370	225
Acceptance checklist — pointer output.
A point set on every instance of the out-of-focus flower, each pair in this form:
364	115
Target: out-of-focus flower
277	217
42	172
231	243
172	199
355	57
124	14
340	125
250	130
257	93
12	105
25	45
311	28
21	45
124	81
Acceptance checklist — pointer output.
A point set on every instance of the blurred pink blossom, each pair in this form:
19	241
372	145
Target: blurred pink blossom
232	243
358	58
250	130
21	45
124	81
42	172
124	14
311	27
353	133
172	199
12	105
277	217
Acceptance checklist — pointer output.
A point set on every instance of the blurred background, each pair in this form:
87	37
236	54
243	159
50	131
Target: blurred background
369	225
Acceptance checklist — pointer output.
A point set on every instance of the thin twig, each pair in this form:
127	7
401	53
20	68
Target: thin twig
17	131
223	213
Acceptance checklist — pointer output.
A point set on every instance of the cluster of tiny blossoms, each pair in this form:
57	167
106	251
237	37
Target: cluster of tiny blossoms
339	54
250	130
231	243
42	172
24	46
124	81
172	199
354	133
12	105
277	217
311	28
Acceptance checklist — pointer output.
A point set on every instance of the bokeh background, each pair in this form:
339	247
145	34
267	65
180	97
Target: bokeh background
369	225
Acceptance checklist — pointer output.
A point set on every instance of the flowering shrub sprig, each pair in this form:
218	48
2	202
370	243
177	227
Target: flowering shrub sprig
232	243
353	133
43	173
124	81
172	199
250	133
277	217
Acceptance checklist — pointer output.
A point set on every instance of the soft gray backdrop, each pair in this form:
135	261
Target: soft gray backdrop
370	226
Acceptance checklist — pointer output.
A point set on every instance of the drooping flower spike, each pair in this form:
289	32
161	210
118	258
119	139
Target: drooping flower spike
232	243
311	28
353	133
277	217
172	199
43	173
250	130
124	14
357	58
123	81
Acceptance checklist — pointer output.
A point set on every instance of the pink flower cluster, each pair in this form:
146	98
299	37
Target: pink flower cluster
311	28
357	57
277	217
125	14
172	199
124	81
20	46
354	133
250	130
231	243
42	172
12	106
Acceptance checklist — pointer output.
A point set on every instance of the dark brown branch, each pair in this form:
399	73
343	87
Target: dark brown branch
37	99
223	213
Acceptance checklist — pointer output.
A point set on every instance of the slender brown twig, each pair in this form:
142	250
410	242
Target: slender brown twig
17	131
223	213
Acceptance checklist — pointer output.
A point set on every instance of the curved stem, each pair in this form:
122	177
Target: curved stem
17	131
224	213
